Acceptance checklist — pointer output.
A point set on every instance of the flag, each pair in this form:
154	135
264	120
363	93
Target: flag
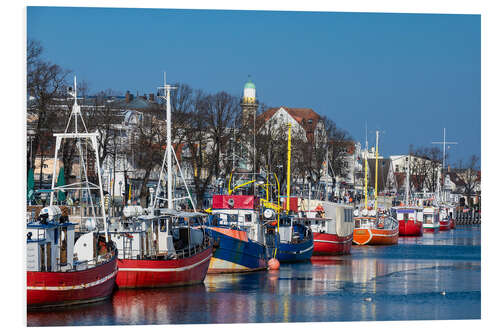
61	196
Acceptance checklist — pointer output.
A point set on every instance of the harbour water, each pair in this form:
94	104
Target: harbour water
433	277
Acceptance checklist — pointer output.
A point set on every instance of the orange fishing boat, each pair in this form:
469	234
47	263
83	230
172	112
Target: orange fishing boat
371	230
371	227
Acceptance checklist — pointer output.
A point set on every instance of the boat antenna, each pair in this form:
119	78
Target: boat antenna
289	154
444	143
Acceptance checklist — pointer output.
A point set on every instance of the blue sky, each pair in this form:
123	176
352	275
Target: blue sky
409	75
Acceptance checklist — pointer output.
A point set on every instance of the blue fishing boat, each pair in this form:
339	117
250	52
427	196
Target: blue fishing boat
238	234
295	240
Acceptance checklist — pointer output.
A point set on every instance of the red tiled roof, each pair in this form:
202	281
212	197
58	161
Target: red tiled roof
301	115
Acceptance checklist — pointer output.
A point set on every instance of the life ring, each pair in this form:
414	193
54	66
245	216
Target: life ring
129	236
381	225
273	223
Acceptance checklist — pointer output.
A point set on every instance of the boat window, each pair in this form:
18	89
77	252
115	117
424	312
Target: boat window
64	245
348	215
42	257
248	217
49	256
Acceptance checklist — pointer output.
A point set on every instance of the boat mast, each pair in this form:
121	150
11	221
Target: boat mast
376	168
407	180
289	156
366	167
444	143
168	150
78	136
327	166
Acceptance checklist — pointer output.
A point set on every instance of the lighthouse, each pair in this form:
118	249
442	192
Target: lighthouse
249	103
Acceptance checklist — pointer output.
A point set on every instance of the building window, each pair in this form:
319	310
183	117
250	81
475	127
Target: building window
309	121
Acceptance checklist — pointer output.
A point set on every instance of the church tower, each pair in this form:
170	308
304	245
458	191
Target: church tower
249	103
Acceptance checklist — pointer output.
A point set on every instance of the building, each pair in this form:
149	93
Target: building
304	121
249	103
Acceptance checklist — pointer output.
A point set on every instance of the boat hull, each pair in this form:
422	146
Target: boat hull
302	251
444	225
365	236
431	228
48	289
329	244
410	228
235	253
144	273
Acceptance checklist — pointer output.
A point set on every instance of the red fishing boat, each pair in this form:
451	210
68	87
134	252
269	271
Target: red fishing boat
409	216
162	247
446	221
65	266
410	220
163	250
62	271
332	228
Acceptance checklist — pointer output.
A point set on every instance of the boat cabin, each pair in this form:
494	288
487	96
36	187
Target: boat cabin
166	234
239	212
408	213
53	244
293	229
50	242
431	216
375	222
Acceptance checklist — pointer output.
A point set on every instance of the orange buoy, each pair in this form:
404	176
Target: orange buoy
273	264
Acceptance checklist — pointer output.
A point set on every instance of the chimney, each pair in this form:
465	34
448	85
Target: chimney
152	97
449	168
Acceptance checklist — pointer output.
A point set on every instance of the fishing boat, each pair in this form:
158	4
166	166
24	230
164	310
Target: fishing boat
332	225
70	263
162	246
65	267
431	219
294	237
372	227
375	230
239	235
165	248
444	219
409	216
410	220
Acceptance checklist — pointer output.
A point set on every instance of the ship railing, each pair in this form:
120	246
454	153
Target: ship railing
187	252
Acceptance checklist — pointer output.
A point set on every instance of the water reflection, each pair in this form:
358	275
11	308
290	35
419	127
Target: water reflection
73	316
402	282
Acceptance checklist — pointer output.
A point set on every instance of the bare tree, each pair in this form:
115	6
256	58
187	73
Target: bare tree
45	82
425	168
148	146
470	176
